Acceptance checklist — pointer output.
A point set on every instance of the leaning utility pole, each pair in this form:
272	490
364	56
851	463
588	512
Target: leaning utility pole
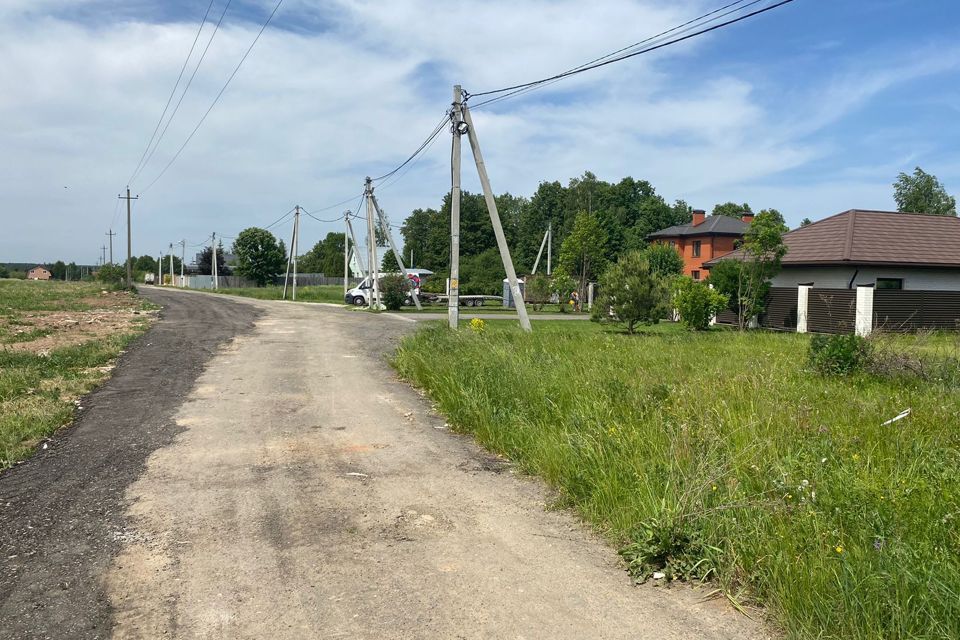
372	246
393	247
129	245
292	258
110	234
453	293
495	221
356	247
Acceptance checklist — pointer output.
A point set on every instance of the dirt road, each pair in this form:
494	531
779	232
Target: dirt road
296	489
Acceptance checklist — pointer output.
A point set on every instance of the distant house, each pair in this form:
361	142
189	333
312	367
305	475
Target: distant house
39	273
912	261
704	239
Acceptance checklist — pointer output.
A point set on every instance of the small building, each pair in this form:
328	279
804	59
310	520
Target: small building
704	239
910	260
39	273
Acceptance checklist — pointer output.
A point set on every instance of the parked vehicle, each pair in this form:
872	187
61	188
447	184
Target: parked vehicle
360	295
149	278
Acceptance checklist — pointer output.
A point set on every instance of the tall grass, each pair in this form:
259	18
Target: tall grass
717	454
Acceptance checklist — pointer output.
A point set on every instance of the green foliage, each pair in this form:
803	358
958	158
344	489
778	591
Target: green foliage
670	543
806	222
839	354
58	270
482	273
393	291
4	272
583	254
388	262
325	257
731	210
146	264
205	264
720	445
632	292
697	303
664	260
923	193
111	274
537	291
259	257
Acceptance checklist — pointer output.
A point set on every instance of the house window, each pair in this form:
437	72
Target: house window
695	274
696	248
673	244
889	283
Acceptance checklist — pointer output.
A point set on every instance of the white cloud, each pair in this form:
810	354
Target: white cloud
310	114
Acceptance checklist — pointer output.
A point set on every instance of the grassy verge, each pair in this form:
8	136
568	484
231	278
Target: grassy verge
50	355
319	293
718	456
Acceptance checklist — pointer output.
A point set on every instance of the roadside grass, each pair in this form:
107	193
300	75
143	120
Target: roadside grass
38	388
718	456
318	293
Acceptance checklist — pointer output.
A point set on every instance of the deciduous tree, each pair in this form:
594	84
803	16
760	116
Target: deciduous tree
259	256
923	193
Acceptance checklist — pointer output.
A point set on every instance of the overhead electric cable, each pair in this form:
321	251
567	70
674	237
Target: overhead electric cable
605	60
173	91
216	99
279	220
423	146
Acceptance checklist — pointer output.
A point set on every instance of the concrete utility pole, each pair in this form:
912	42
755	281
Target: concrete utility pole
110	234
128	198
160	269
292	258
495	221
549	246
183	256
213	261
171	264
453	294
346	253
103	254
356	250
393	247
372	246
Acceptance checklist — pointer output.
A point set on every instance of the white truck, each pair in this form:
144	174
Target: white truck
360	295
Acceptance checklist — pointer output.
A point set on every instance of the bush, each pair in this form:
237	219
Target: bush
632	292
697	303
4	272
664	260
111	274
393	290
839	354
537	291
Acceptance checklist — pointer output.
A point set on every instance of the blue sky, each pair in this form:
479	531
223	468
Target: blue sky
812	108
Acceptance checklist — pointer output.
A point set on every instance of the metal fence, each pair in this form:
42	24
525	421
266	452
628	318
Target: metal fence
239	282
910	310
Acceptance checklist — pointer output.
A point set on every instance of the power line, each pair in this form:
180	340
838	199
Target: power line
436	131
217	98
607	60
174	90
278	220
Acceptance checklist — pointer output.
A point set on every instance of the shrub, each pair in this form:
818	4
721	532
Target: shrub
537	291
111	274
839	354
632	292
664	260
697	303
393	290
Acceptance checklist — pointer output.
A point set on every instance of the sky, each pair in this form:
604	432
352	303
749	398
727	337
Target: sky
812	108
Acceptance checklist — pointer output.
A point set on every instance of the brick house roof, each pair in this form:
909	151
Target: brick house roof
712	225
860	236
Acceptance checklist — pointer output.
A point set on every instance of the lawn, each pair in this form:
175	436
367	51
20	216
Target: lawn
58	340
719	456
318	293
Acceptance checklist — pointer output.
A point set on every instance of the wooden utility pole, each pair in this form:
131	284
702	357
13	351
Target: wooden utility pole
110	234
453	294
495	221
372	246
128	198
393	247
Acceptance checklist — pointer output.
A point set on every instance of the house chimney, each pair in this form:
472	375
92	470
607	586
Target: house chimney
698	216
746	216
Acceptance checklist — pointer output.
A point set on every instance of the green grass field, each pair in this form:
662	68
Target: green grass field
719	455
38	386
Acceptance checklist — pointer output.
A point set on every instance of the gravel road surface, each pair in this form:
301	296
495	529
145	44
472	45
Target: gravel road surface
255	470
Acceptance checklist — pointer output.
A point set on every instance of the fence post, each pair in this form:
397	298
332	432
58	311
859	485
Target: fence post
864	317
803	298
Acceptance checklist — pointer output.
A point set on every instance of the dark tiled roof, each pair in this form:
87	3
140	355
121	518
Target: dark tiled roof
872	237
717	225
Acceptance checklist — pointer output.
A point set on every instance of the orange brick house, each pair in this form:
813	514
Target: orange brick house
705	238
39	273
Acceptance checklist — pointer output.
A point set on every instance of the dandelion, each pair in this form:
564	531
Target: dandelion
714	488
838	548
856	457
477	325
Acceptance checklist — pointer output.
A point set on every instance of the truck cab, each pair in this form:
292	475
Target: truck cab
360	295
